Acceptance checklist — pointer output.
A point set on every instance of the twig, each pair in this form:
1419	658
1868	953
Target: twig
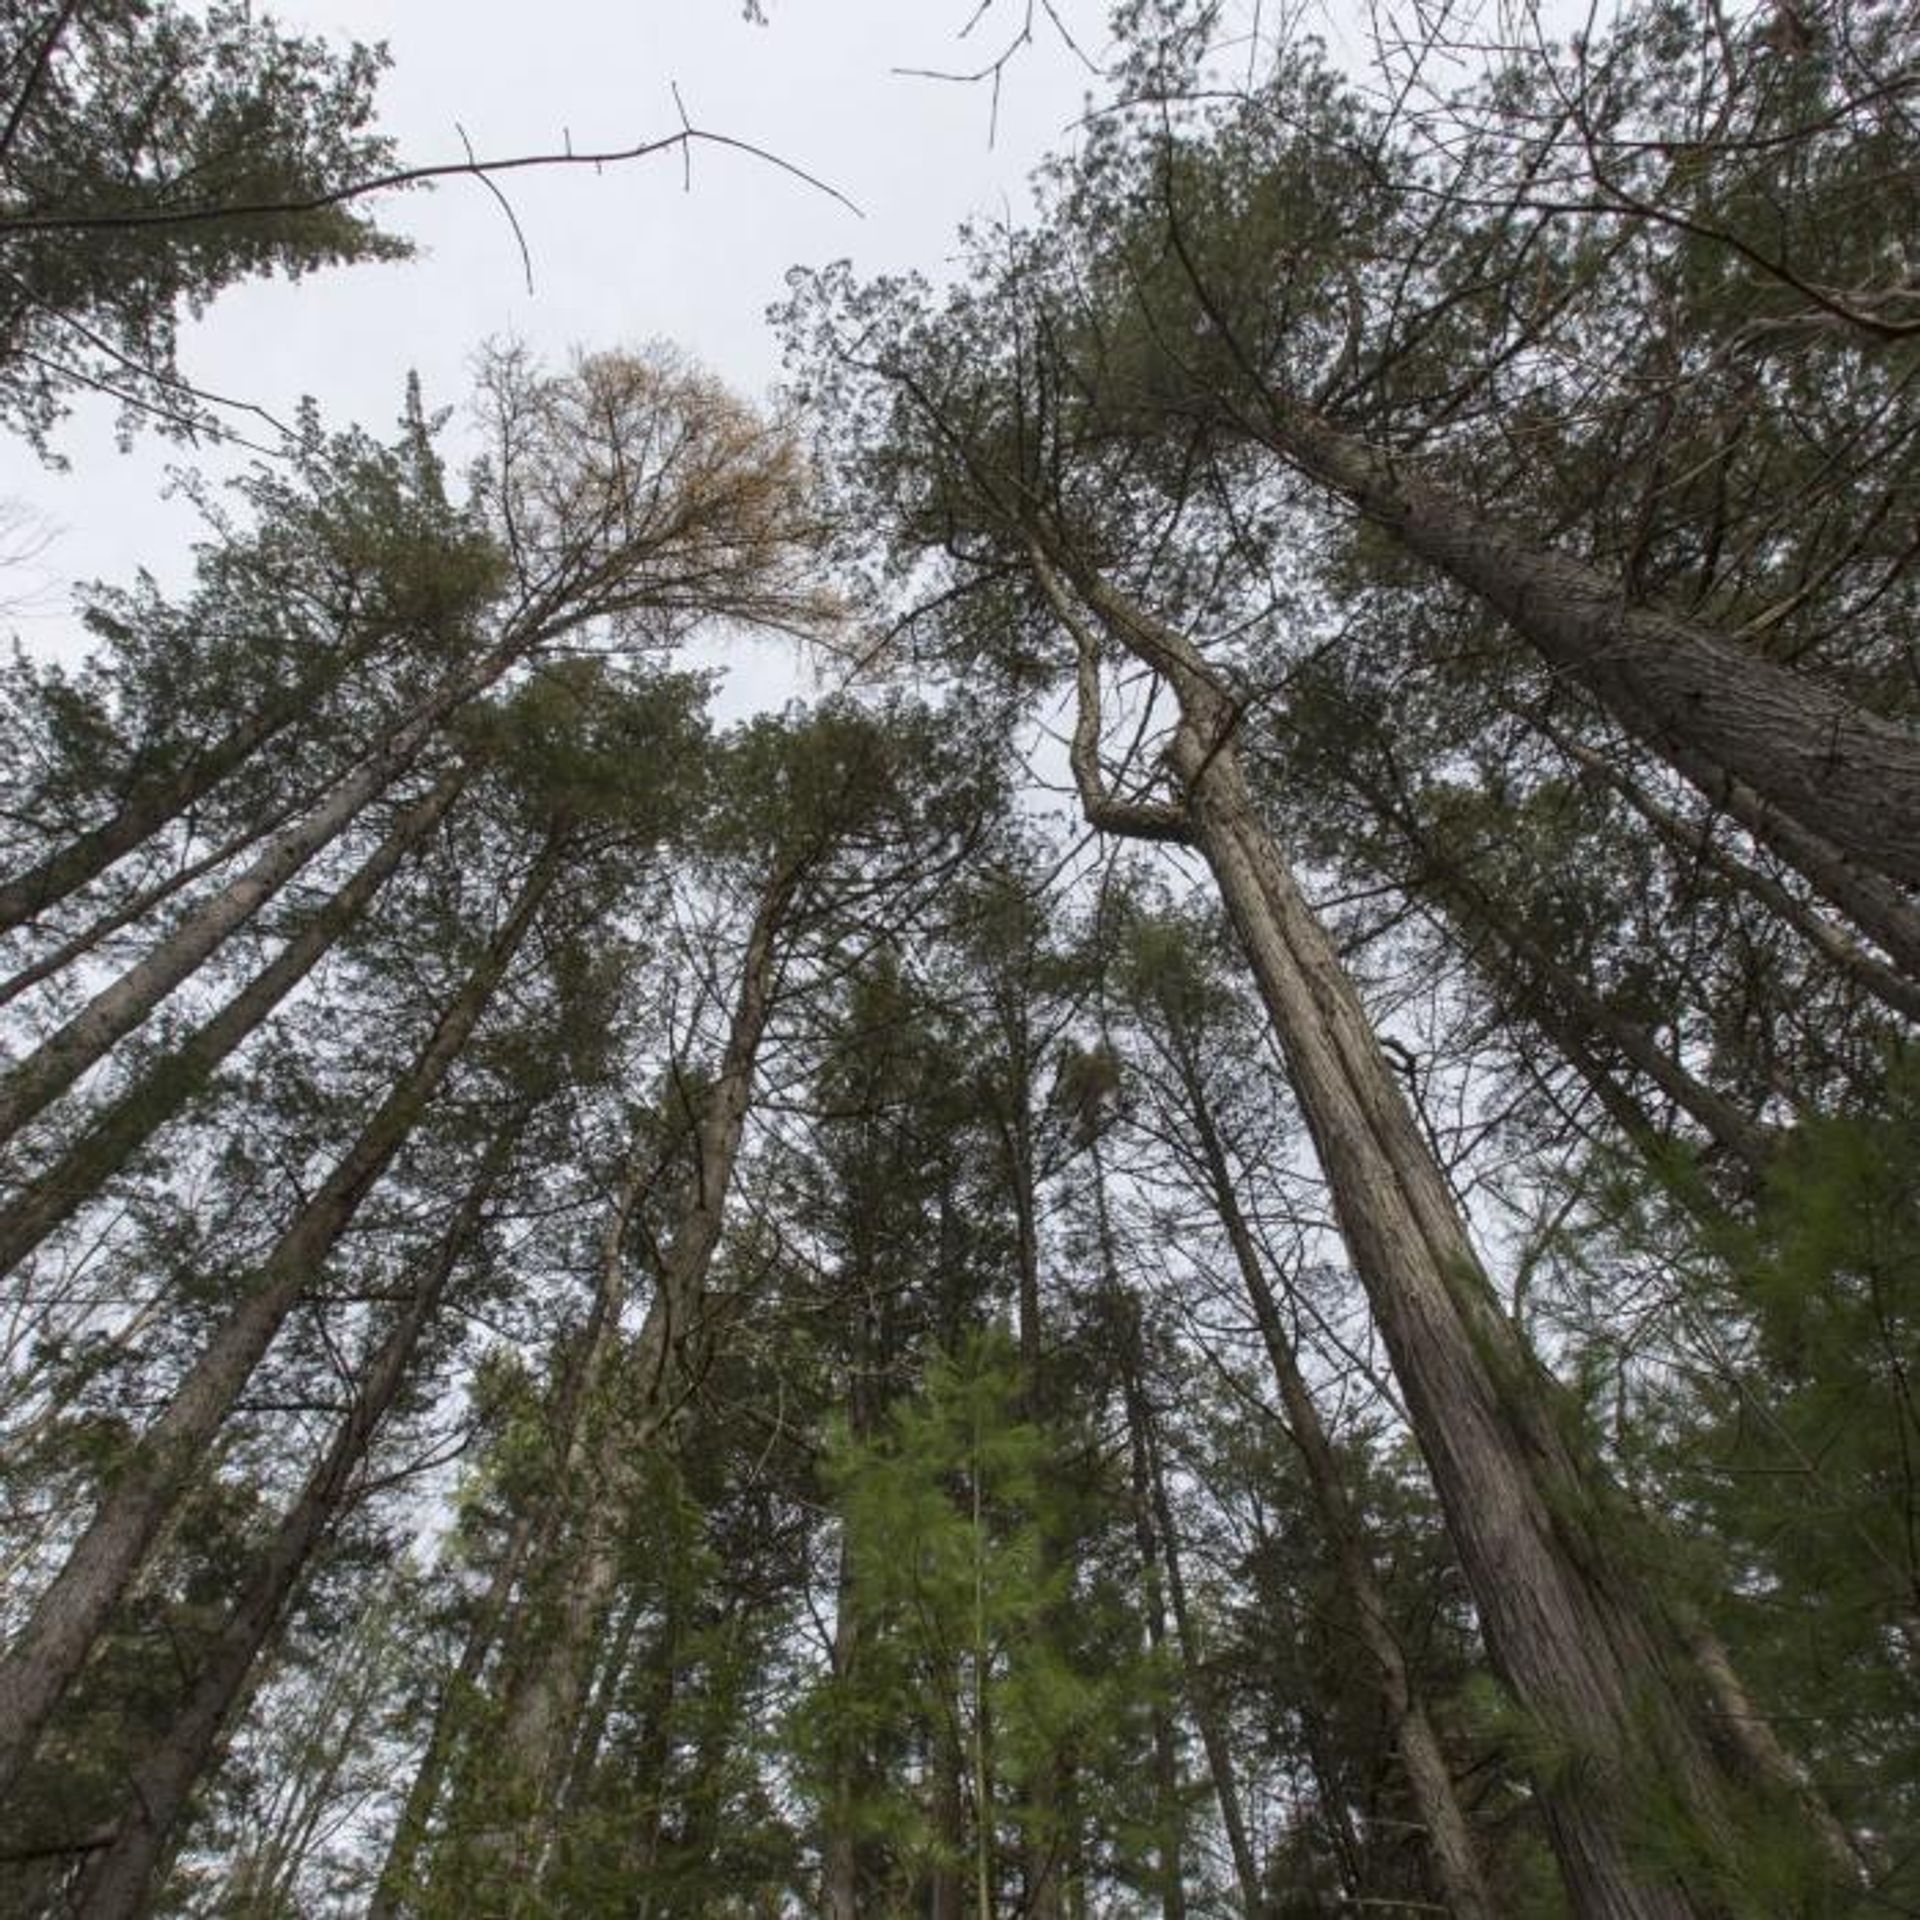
506	206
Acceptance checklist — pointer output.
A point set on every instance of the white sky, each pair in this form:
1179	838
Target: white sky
623	257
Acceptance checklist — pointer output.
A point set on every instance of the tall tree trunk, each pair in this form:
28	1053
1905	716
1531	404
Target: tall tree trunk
138	905
1041	1862
1544	976
544	1700
72	1612
1587	1649
1450	1849
579	1375
840	1854
947	1894
170	1083
122	1005
117	1882
1716	711
1124	1311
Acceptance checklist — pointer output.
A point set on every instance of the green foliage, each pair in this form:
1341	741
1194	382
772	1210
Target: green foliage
958	1672
125	109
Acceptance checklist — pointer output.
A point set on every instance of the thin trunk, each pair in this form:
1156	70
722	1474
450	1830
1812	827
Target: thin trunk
948	1899
1544	976
73	1611
653	1759
544	1703
170	1083
1693	841
1450	1848
585	1758
1125	1311
1587	1650
1716	711
117	1883
579	1377
852	1764
139	905
1202	1698
840	1865
118	1008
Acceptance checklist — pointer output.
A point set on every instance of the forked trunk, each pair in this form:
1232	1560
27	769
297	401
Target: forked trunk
1584	1645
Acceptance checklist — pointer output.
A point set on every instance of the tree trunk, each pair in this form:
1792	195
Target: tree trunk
137	906
1693	841
1588	1651
1718	712
116	1884
170	1083
1880	909
72	1612
1451	1853
1124	1310
118	1008
544	1702
840	1862
579	1378
1543	975
152	803
1202	1699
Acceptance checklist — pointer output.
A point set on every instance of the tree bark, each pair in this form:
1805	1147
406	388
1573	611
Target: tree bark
76	1606
170	1083
117	1882
1124	1310
578	1380
1451	1853
1697	842
153	802
1719	713
1543	975
1202	1699
1586	1648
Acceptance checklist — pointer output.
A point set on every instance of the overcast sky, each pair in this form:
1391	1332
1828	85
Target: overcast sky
630	255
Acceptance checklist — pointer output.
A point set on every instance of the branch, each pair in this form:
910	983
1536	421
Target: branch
1134	819
481	170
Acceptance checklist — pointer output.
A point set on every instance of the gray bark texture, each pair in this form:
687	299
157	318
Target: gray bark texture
1451	1853
1721	714
169	1084
1587	1650
545	1700
123	1004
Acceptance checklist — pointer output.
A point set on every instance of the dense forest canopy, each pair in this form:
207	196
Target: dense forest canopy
1239	1234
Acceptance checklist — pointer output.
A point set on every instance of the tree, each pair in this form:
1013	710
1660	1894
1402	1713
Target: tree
133	109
